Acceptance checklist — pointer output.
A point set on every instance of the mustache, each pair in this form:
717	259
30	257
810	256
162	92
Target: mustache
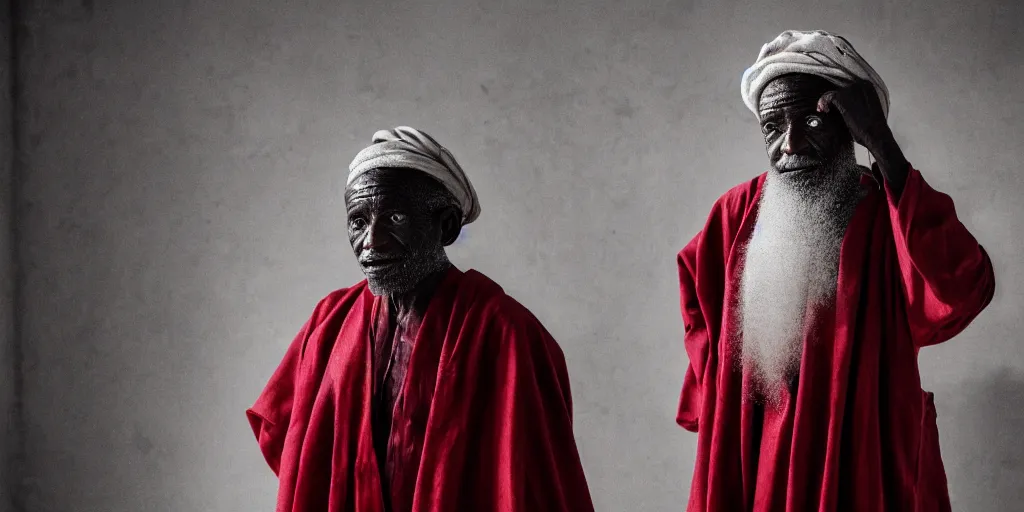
372	257
794	162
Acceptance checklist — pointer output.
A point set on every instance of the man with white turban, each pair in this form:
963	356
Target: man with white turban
421	388
807	295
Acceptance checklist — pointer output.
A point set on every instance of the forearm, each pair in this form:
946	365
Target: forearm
891	162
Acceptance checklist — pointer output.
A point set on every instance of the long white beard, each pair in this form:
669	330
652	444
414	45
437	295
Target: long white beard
791	268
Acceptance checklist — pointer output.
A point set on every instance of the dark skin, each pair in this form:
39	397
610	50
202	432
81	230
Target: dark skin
807	123
399	222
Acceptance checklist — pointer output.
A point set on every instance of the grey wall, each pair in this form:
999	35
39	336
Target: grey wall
180	211
8	434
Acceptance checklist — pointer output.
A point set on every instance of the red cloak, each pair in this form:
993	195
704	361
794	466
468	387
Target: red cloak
860	433
483	423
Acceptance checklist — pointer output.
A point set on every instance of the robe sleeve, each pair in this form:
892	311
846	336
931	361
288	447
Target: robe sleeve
270	416
542	466
947	276
695	338
702	283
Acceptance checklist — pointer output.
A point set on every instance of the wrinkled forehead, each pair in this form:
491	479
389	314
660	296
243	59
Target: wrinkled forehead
391	186
793	91
376	183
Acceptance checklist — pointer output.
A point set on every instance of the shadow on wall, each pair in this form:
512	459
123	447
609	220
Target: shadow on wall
989	474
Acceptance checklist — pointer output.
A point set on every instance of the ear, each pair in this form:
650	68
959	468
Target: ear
451	225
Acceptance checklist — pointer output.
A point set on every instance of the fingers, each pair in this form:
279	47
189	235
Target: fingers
825	102
858	92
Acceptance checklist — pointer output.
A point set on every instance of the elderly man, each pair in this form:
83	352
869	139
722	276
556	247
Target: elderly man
422	388
807	295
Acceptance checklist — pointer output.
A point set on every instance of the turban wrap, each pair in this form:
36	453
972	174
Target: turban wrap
409	148
814	53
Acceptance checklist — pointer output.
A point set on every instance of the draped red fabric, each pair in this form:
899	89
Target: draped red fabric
483	423
859	434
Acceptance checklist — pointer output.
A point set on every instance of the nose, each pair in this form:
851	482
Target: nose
793	140
375	237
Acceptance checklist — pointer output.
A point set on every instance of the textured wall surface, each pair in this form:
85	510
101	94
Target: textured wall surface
8	437
181	211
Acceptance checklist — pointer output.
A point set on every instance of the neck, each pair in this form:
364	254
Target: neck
414	302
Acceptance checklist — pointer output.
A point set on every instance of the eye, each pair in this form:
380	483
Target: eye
769	128
814	122
356	224
398	218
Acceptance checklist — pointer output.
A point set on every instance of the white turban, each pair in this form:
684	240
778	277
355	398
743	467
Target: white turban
409	148
814	53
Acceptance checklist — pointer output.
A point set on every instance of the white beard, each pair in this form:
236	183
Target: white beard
791	268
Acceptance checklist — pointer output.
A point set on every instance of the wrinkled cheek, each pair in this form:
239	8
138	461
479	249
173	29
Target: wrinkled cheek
355	242
829	147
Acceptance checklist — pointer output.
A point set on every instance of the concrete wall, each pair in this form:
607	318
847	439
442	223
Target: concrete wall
8	431
181	211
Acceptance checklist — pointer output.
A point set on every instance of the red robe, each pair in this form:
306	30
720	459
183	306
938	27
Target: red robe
860	433
483	423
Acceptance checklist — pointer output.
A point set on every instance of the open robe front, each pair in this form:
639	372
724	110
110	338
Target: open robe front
859	434
483	422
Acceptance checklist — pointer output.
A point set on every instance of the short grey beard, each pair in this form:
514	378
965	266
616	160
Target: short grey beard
791	267
410	274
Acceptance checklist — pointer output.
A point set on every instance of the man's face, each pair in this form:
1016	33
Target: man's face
395	235
798	137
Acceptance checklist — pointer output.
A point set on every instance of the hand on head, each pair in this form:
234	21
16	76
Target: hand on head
798	136
861	111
